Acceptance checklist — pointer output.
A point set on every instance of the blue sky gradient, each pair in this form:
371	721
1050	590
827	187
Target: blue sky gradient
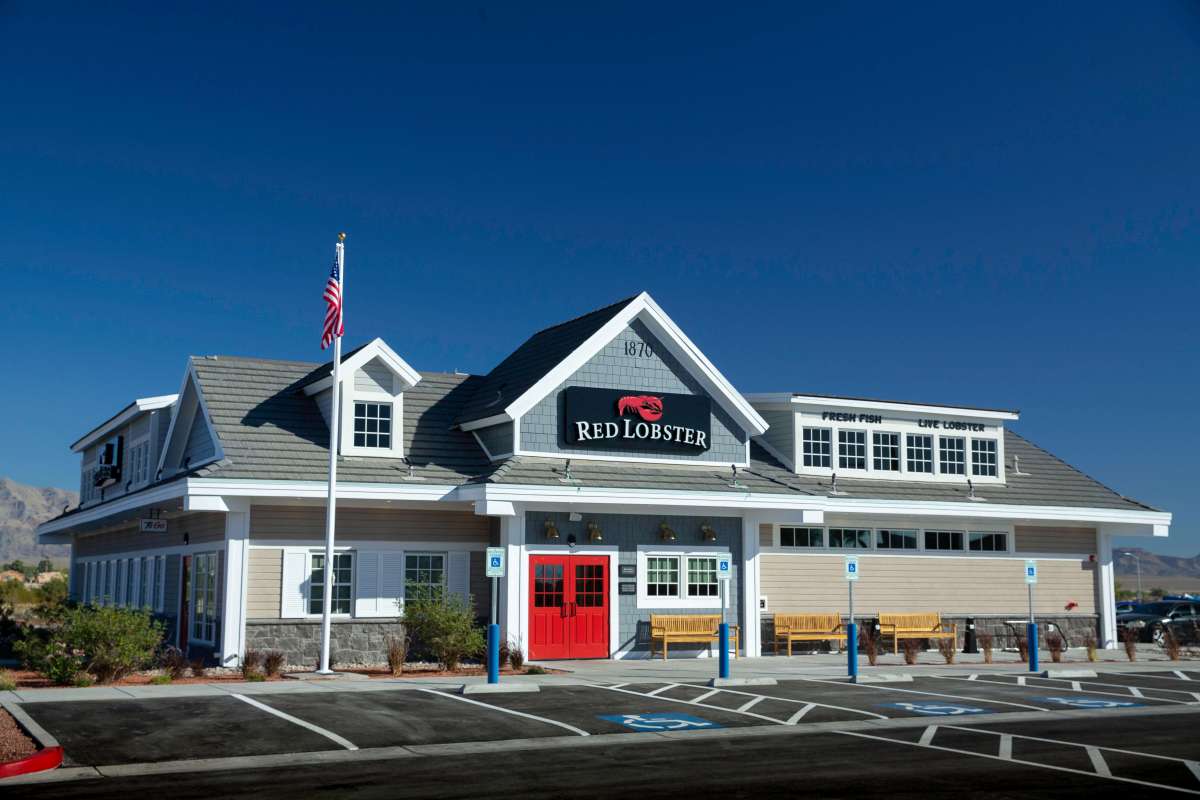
940	203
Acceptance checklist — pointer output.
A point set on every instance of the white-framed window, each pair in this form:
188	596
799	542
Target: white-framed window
987	542
983	457
343	584
144	582
160	580
952	454
204	597
920	453
817	447
662	576
943	540
702	576
424	572
886	451
130	586
801	537
852	449
372	425
892	539
849	539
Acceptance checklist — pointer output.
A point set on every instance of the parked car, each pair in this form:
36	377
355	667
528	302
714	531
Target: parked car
1125	606
1151	620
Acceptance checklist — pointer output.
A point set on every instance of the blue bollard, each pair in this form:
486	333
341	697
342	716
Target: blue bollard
493	654
724	645
852	651
1031	634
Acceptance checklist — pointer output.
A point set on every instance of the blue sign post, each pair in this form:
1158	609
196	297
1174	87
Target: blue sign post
495	571
723	572
1031	630
852	628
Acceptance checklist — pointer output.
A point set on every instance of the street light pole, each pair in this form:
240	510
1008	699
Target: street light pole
1137	561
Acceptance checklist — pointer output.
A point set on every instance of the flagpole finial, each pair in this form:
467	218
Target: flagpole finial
341	237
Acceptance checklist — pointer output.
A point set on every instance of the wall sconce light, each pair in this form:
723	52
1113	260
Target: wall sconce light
594	534
551	530
707	532
665	533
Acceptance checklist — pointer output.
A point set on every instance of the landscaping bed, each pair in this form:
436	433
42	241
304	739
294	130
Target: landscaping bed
14	742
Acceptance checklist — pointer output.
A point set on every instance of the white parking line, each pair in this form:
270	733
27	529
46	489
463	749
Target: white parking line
749	704
928	734
661	689
1053	767
1183	676
893	688
799	715
1098	762
1067	743
702	697
330	735
1006	747
1136	692
693	703
1072	689
793	700
502	710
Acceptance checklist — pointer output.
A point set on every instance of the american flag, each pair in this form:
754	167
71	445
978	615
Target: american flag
333	307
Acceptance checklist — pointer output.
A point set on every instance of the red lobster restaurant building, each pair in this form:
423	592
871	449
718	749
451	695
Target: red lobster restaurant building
616	465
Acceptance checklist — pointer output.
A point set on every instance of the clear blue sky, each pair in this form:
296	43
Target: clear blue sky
941	203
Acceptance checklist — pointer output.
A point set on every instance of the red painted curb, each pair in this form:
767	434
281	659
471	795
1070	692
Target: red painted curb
49	758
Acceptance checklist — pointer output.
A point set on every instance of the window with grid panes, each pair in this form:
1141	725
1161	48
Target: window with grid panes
204	597
983	457
589	585
343	576
801	537
987	542
373	425
920	453
886	456
852	449
702	577
943	540
888	539
817	448
849	539
952	453
424	572
662	576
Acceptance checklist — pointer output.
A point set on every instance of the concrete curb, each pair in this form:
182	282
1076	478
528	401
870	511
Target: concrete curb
498	688
49	754
1067	673
720	683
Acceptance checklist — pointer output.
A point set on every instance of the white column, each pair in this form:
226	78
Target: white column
514	588
233	601
751	625
1107	593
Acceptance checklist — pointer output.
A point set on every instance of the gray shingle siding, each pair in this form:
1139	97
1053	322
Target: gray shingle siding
626	532
199	447
374	376
542	430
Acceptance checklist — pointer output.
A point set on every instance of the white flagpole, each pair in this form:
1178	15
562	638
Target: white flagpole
331	503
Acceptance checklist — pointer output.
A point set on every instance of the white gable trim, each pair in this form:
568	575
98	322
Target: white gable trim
178	429
376	348
644	308
127	414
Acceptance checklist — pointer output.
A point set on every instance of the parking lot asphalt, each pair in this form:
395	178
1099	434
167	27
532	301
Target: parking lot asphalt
1051	725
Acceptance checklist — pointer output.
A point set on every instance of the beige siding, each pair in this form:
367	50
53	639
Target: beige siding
766	535
369	524
1037	539
814	583
264	583
481	585
200	527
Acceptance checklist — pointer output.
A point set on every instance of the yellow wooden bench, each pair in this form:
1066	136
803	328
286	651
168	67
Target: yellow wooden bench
920	625
807	628
668	628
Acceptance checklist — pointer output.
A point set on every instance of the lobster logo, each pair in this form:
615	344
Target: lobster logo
646	406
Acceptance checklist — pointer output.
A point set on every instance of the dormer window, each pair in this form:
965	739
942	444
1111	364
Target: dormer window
983	457
373	425
817	447
952	453
886	452
852	449
920	453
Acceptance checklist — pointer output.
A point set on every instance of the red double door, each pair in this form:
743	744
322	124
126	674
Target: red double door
568	607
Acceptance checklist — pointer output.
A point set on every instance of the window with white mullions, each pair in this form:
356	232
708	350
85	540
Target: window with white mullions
886	455
424	572
662	576
943	540
983	457
852	449
204	597
343	572
849	539
987	542
952	453
373	425
920	453
801	537
702	577
888	539
817	447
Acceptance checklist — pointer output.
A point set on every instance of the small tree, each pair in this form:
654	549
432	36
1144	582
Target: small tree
45	565
108	643
442	622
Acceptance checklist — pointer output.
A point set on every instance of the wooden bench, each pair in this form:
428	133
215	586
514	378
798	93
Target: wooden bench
668	628
921	625
807	628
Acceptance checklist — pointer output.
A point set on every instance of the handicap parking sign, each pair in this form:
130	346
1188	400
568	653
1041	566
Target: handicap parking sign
495	562
724	569
1089	702
937	709
659	722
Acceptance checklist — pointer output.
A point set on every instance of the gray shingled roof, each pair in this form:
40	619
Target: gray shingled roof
526	365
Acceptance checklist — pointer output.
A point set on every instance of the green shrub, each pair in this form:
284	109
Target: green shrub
173	662
161	680
7	684
255	677
251	664
443	623
535	670
108	643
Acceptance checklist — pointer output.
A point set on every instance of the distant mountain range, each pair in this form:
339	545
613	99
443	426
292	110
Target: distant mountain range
22	509
1155	565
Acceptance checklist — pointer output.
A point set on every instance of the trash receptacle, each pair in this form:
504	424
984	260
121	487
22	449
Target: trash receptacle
969	645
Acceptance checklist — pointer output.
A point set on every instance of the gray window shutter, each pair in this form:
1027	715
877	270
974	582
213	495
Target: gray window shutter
458	574
295	584
391	583
366	585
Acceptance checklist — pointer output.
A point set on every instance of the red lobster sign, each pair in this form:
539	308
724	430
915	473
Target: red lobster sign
648	407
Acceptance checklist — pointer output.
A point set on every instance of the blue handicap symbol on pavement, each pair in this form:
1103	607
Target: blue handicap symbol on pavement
937	709
660	722
1089	702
